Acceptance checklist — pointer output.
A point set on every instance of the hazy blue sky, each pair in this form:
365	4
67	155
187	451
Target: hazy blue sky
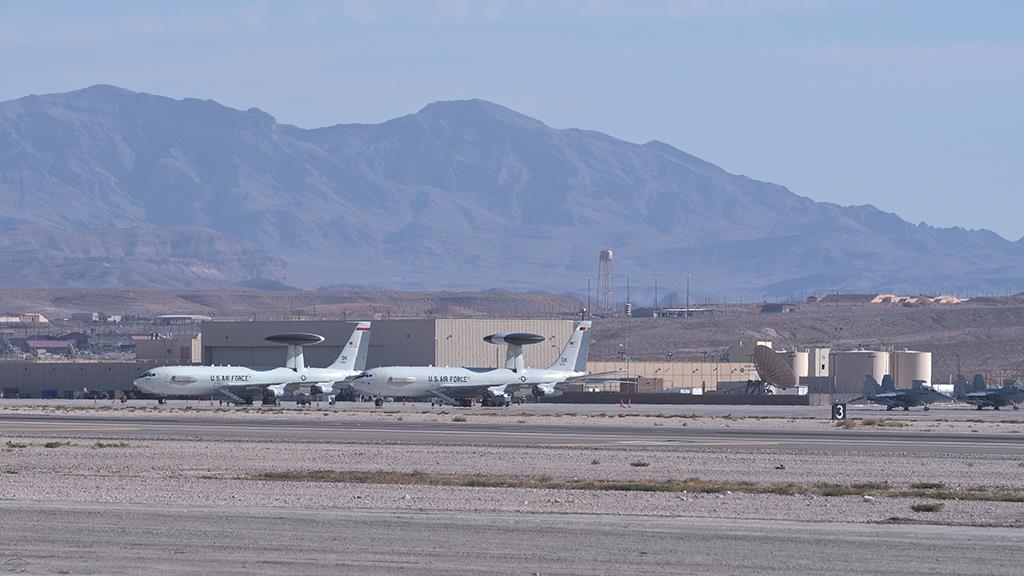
916	106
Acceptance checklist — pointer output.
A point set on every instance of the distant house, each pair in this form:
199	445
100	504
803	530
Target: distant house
80	340
34	319
37	347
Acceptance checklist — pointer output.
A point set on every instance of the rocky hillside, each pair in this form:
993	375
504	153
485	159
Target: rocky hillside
106	187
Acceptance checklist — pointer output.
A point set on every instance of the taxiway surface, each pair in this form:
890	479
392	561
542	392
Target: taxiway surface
135	539
213	428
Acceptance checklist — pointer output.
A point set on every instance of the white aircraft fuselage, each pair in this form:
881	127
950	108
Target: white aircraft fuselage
457	382
207	380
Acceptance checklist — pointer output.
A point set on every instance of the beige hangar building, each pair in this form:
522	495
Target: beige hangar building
418	342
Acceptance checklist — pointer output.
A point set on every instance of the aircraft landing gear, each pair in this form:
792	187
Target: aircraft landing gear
979	406
378	402
1015	407
906	408
926	408
888	408
995	407
161	400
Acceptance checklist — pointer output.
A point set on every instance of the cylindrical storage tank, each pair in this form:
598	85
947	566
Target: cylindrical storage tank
606	255
800	363
851	367
910	365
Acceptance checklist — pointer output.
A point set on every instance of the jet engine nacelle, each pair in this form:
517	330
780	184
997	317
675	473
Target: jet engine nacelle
318	389
272	394
546	391
496	398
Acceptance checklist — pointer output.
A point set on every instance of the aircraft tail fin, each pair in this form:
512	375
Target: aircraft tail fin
574	354
979	383
353	353
960	386
871	386
887	383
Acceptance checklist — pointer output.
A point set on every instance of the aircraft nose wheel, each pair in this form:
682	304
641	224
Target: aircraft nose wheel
378	402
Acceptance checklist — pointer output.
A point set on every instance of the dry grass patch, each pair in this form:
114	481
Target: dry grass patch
883	423
111	445
694	485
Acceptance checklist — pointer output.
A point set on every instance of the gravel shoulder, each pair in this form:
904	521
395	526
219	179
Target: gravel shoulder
951	420
217	473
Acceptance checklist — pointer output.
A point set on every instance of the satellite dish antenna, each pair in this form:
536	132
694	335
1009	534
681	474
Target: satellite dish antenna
773	369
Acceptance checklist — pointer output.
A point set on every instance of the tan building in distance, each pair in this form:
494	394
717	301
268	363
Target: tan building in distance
172	350
418	342
702	375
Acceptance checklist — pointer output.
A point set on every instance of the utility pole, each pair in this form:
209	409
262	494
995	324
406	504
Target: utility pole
655	291
688	295
628	281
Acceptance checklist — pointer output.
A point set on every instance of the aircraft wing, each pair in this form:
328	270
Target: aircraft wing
596	377
936	396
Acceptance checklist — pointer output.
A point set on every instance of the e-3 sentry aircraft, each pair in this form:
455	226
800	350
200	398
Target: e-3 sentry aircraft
239	383
493	386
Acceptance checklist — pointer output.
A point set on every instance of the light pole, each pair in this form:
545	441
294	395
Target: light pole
655	292
687	294
628	281
588	293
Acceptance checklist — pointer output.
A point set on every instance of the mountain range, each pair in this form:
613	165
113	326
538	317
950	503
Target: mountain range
105	187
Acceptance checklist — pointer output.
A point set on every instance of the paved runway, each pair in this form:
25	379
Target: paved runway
48	538
214	428
951	412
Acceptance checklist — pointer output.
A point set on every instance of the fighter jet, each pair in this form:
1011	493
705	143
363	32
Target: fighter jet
981	396
493	386
887	395
238	383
